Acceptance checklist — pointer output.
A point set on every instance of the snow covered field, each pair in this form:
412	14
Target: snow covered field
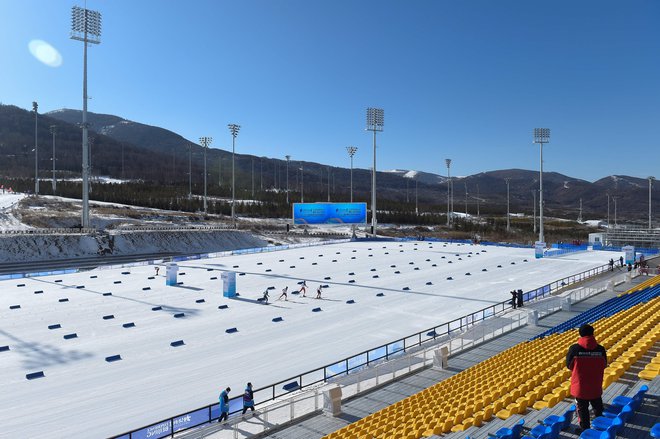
82	395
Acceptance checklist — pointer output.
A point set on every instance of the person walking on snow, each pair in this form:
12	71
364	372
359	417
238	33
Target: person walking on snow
303	288
265	296
318	291
587	361
284	291
224	404
157	268
248	399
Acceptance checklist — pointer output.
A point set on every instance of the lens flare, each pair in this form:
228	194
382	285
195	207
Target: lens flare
45	53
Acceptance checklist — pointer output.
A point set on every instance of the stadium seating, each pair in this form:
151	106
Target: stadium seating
627	327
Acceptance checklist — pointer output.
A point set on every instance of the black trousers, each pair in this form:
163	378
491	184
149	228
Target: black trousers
583	410
246	407
223	416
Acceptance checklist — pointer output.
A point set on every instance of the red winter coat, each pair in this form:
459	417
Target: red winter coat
587	359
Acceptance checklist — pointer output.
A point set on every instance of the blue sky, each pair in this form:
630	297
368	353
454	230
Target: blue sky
468	80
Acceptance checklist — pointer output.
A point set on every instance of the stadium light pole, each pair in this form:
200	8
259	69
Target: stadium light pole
35	108
253	178
607	194
233	129
508	223
190	171
651	178
541	136
288	157
302	184
375	123
615	223
53	130
205	142
448	163
351	152
534	198
466	197
478	216
85	27
328	184
416	204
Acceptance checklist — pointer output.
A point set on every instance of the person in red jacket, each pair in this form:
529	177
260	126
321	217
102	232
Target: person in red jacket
587	361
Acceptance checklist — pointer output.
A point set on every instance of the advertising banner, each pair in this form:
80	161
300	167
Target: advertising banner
229	284
329	213
629	251
538	249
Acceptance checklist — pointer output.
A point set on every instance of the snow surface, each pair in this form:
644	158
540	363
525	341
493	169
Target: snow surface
82	395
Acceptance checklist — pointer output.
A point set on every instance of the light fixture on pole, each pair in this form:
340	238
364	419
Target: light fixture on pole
35	108
448	163
53	130
205	142
351	152
541	136
651	178
288	157
508	224
375	123
233	129
85	27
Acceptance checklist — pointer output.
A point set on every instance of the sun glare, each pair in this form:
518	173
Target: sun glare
45	53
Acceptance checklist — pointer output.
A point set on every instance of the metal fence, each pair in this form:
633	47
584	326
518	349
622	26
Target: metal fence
352	364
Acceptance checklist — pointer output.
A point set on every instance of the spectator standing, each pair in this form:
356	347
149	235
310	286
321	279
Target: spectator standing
519	298
514	296
224	405
248	399
587	361
620	261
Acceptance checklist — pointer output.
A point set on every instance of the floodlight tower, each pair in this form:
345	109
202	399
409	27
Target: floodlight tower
651	178
448	163
541	136
85	27
351	152
288	157
608	209
190	171
35	108
375	123
205	142
233	129
534	202
302	184
53	130
508	224
615	223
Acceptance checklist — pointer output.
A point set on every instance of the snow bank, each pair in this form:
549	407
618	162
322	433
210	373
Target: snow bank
18	248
